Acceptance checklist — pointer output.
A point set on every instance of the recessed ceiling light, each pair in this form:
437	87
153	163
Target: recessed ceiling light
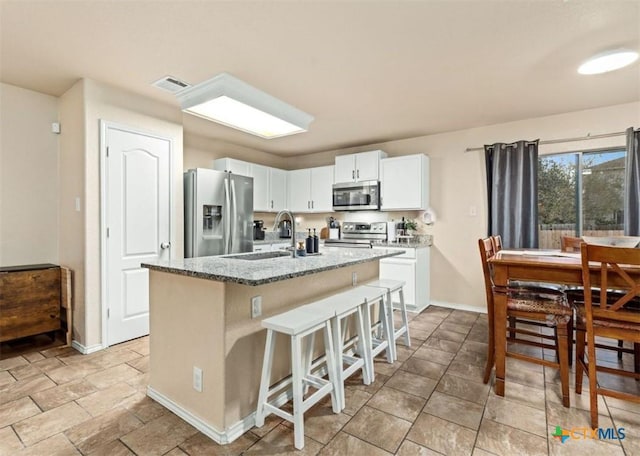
229	101
609	61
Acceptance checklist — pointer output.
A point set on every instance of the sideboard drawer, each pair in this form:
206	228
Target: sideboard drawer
29	302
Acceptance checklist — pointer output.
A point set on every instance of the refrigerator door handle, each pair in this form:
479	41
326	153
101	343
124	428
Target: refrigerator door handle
227	223
234	205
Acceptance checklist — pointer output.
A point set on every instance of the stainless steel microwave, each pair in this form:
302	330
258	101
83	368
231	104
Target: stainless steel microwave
356	196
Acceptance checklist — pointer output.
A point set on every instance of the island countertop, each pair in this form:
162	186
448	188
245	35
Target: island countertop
263	271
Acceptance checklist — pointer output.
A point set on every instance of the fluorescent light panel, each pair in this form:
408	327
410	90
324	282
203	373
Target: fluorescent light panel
608	61
229	101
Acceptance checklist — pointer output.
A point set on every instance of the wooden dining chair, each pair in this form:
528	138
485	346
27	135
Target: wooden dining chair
570	244
529	306
603	316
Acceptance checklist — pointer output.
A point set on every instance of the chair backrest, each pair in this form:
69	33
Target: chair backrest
497	242
612	275
487	251
570	244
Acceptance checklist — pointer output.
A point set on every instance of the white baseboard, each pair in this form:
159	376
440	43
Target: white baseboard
458	306
86	350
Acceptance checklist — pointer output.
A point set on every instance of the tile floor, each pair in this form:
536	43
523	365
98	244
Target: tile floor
431	401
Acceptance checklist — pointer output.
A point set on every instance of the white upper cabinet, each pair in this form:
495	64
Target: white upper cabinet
261	197
231	165
310	189
363	166
277	189
404	182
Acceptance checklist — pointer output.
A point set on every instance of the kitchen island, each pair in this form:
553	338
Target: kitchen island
201	318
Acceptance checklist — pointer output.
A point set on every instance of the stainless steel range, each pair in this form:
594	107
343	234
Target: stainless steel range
359	234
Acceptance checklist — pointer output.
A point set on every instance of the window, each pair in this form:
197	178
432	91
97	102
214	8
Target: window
580	193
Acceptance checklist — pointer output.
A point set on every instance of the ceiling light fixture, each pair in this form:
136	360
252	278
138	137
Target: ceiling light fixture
608	61
229	101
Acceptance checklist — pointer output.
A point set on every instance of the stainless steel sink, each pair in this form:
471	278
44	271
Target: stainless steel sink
260	255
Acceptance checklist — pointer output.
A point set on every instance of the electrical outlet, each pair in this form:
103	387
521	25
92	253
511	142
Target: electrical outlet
256	306
354	278
197	379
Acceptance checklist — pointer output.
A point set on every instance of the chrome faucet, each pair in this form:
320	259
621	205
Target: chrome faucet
293	228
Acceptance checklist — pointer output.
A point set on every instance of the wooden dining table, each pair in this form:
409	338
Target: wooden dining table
533	265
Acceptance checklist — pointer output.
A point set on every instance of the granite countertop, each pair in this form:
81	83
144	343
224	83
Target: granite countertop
414	242
260	272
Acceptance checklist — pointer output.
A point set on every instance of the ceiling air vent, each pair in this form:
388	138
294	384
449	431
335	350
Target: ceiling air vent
170	84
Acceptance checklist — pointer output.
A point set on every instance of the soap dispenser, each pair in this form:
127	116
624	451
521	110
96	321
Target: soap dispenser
316	242
309	243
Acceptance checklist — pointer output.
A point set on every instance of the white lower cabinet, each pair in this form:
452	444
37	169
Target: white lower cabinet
412	267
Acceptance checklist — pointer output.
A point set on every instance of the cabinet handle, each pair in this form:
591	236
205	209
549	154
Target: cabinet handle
312	204
165	245
271	204
358	174
308	205
353	174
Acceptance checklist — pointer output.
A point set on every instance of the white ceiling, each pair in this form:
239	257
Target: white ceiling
368	71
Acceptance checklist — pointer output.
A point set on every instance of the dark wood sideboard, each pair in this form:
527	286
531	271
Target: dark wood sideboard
33	299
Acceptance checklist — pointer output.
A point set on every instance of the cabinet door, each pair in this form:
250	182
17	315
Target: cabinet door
367	165
277	189
401	270
404	183
299	190
261	201
234	166
321	193
345	169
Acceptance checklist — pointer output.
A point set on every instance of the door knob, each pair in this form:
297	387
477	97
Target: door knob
165	245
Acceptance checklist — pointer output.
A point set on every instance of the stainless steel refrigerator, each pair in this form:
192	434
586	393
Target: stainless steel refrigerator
218	213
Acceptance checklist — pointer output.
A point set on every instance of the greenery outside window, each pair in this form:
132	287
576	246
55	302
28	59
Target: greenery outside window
580	193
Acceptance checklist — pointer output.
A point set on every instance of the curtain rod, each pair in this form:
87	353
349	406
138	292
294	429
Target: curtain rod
557	141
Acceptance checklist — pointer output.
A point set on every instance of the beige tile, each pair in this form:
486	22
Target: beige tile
6	378
501	439
142	406
397	403
159	436
428	326
49	423
442	436
26	387
176	452
110	359
382	367
449	335
106	399
140	382
579	401
355	381
321	424
115	448
113	375
455	327
463	388
57	445
270	422
33	357
13	412
378	428
463	316
425	368
403	353
436	356
408	448
475	347
70	373
526	395
97	432
516	415
9	441
25	371
39	366
48	364
141	364
469	357
11	363
279	441
442	344
480	452
58	351
200	444
463	369
355	399
456	410
55	397
569	417
412	384
418	335
345	444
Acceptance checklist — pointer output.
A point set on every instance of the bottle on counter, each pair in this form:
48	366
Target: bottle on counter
309	243
316	242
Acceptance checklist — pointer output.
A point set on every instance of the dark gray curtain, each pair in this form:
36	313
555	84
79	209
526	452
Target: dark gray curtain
632	184
512	187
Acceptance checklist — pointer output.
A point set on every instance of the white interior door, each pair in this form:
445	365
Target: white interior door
137	226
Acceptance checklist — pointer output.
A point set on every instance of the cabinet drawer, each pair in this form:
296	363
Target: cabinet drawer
408	252
29	303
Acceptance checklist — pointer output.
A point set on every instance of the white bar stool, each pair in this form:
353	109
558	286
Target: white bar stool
393	286
297	323
343	305
377	344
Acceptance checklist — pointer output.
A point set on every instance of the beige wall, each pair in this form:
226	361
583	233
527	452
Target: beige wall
28	177
457	182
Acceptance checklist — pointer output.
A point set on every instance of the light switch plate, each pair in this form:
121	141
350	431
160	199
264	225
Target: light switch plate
197	379
256	306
